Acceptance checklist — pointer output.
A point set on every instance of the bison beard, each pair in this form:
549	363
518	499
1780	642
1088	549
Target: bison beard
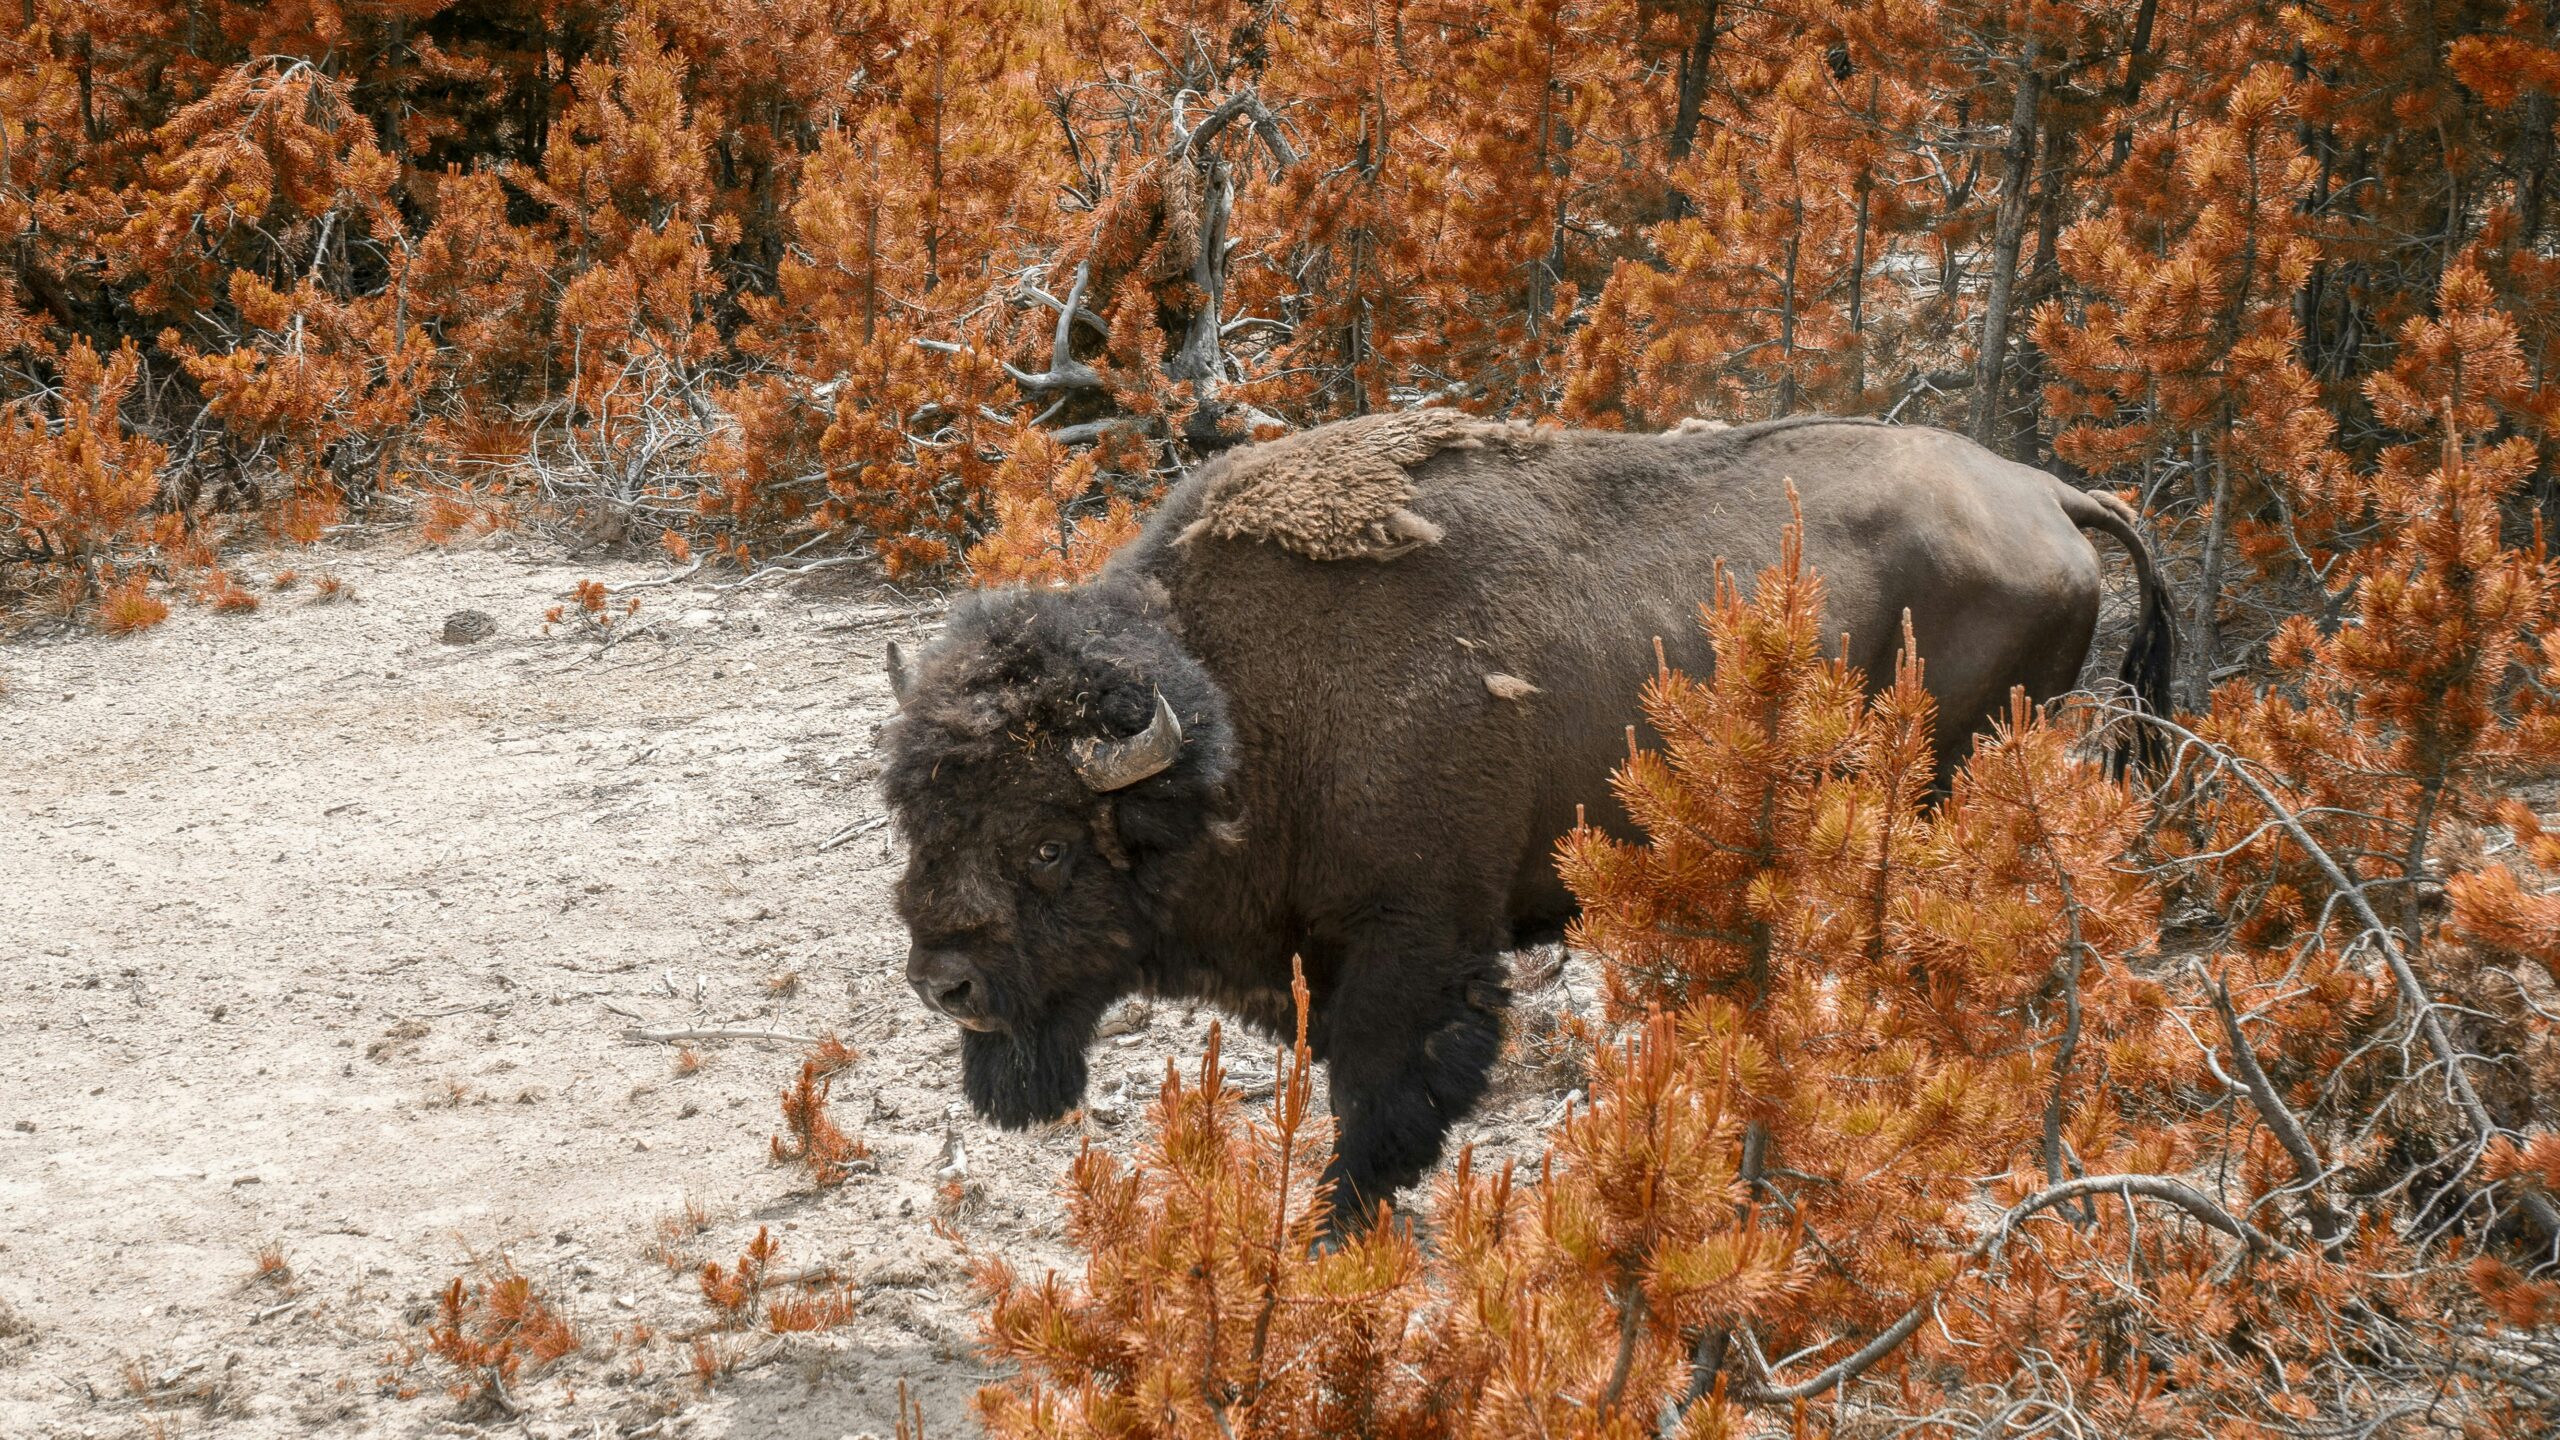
1027	1075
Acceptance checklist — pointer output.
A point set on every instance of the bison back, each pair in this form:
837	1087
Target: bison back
1419	731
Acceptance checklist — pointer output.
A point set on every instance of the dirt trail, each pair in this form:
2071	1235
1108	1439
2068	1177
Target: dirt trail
317	933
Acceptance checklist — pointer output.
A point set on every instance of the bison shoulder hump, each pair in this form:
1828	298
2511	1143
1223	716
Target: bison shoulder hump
1341	491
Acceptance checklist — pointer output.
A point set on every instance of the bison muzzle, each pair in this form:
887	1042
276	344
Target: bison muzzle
1342	697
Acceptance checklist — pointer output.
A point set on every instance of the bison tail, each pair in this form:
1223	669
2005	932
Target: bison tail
2152	654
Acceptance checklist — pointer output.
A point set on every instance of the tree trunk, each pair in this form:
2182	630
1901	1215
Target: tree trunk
1858	293
1787	319
2044	281
2533	164
2008	233
2137	66
1707	1357
1689	104
2204	630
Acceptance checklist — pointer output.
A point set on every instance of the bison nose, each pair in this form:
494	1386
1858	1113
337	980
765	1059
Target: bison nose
949	983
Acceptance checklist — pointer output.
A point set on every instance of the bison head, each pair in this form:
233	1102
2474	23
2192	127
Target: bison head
1056	763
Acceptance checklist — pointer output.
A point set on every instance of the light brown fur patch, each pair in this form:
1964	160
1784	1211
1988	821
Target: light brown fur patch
1340	491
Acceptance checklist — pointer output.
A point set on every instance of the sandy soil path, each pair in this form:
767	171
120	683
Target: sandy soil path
318	934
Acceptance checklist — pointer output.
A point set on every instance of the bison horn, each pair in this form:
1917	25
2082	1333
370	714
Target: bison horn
901	679
1108	765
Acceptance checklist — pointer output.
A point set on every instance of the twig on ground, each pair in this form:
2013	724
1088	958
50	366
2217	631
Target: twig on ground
677	578
715	1032
492	1007
868	622
863	827
772	572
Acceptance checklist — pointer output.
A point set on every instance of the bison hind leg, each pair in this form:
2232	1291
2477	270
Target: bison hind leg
1404	1068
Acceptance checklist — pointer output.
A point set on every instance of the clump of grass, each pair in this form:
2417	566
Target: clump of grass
491	1332
223	591
271	1268
676	1232
129	609
744	1295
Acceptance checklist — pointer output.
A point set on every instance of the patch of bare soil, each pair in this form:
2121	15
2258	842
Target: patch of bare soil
322	939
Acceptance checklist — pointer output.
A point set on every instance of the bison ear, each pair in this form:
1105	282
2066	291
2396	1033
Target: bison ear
1108	765
901	679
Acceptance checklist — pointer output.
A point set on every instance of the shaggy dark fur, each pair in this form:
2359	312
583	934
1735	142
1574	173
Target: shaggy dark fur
1378	758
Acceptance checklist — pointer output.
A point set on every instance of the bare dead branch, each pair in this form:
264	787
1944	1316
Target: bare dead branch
2413	991
1266	127
1987	1250
1083	317
2288	1131
1064	372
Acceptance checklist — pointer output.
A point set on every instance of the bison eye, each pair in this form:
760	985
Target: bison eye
1049	854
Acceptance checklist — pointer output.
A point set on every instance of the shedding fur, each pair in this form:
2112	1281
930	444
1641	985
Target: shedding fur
1340	491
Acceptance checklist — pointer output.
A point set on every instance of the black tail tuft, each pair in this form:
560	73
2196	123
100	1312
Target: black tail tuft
2152	654
2149	659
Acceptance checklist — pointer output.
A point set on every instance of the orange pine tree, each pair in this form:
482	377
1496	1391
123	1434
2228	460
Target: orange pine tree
2182	360
75	486
1911	1120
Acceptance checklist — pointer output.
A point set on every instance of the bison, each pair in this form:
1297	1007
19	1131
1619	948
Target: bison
1345	692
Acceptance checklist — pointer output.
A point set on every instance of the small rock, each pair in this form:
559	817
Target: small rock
468	627
1125	1018
26	1127
1113	1107
1563	1108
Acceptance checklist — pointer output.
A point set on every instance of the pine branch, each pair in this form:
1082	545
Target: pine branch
2413	992
1988	1249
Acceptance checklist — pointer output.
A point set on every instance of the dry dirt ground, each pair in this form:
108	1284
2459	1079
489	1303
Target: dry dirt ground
321	937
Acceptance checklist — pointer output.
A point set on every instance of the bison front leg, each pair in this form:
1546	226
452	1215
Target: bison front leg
1408	1039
